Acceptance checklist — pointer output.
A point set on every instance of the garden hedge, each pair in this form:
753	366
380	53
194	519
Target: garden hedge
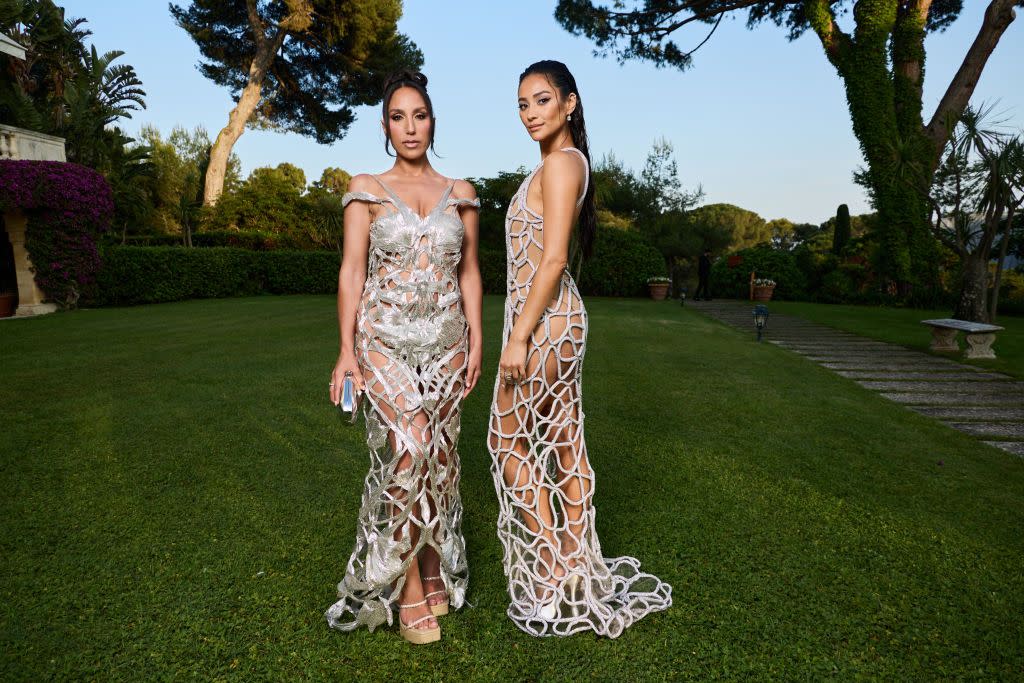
145	275
621	264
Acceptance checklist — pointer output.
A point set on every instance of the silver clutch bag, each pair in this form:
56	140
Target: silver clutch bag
350	395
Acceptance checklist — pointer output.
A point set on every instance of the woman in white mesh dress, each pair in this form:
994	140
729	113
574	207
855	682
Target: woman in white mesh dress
409	298
558	580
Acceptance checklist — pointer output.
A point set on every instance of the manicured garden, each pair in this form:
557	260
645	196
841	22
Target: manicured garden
180	500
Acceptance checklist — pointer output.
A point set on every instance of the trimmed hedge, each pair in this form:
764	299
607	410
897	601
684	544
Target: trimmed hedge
299	272
255	240
621	264
143	275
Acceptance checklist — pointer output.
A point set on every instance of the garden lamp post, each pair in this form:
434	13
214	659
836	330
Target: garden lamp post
760	319
682	296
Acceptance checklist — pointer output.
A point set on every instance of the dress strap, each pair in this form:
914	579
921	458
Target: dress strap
460	201
362	197
395	199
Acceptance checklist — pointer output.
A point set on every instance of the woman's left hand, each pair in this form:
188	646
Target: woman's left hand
473	364
512	366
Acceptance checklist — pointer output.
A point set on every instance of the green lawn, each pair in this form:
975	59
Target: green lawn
180	501
903	326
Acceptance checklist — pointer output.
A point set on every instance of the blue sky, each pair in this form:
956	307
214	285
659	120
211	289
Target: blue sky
758	122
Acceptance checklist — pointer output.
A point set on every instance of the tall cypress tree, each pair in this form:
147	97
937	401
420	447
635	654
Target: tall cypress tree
841	235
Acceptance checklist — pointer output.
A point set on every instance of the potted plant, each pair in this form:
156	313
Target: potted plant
8	302
658	287
763	288
8	279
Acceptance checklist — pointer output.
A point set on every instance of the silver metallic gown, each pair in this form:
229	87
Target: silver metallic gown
412	346
558	580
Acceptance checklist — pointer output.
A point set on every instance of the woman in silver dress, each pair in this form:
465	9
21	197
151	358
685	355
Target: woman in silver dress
409	300
558	580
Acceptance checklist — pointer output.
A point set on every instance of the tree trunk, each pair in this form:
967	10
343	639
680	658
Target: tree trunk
998	280
882	68
973	289
998	16
220	152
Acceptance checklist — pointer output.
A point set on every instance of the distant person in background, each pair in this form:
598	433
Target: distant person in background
704	273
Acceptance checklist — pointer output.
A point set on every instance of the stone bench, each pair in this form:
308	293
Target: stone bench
979	336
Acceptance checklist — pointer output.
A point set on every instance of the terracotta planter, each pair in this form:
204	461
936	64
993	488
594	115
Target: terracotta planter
8	304
658	291
763	293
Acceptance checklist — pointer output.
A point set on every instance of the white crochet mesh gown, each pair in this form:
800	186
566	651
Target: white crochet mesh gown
558	580
412	346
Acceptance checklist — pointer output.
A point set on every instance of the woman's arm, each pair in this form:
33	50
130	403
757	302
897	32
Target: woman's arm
562	179
351	279
470	283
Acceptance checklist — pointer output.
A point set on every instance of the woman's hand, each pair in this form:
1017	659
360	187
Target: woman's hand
346	364
512	366
473	364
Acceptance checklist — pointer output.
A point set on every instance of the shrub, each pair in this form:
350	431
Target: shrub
1011	292
493	270
142	275
768	263
621	263
257	241
67	206
299	272
139	275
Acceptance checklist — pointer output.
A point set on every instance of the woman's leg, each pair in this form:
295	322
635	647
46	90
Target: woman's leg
442	486
563	418
391	384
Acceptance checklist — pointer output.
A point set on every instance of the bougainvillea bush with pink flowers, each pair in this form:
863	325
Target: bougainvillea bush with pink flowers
68	206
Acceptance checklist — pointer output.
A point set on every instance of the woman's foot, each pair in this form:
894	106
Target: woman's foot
416	623
433	585
551	572
437	595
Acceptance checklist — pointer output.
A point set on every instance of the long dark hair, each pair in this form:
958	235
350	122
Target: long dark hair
561	78
406	79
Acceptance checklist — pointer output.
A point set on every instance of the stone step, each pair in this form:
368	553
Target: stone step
1011	388
925	376
911	365
960	398
1007	430
972	413
1015	447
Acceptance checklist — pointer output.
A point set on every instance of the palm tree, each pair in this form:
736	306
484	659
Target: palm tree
55	47
99	95
129	177
978	188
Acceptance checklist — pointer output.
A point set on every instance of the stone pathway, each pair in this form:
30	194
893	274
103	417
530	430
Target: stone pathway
985	404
